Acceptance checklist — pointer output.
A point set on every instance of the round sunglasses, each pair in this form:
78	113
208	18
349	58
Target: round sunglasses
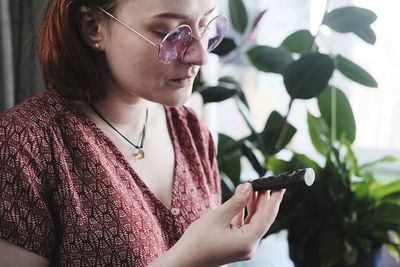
176	42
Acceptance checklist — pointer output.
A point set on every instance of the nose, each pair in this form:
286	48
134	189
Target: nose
196	53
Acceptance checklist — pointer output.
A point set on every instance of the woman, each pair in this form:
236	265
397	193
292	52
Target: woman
106	167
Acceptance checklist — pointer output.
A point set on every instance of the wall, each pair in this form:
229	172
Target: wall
19	77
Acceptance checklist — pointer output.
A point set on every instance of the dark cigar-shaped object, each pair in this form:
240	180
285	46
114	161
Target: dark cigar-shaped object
285	180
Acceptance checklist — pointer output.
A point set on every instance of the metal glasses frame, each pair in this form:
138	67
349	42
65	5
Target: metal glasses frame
160	45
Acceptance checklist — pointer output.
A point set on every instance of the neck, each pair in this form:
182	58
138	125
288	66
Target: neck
127	117
139	146
123	112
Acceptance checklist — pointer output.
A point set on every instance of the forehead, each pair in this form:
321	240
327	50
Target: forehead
146	9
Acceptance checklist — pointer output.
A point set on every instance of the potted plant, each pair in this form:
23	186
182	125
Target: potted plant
347	213
345	217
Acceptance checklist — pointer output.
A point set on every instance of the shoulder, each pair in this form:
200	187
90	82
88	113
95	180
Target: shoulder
186	115
185	118
34	113
24	142
182	112
27	128
190	130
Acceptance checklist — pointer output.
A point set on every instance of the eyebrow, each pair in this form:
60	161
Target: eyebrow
171	15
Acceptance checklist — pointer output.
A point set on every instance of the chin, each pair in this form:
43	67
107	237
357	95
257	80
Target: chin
177	98
176	102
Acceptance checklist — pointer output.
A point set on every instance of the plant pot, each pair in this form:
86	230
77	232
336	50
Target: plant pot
372	258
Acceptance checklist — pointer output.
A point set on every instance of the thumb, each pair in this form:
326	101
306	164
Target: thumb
237	202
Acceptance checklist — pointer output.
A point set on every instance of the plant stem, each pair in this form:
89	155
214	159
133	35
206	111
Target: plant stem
282	129
243	110
313	48
333	115
336	155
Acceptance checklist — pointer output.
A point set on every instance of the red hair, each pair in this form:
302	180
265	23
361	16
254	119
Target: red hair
66	61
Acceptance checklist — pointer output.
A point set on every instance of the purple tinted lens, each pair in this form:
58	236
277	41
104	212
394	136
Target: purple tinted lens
215	32
174	44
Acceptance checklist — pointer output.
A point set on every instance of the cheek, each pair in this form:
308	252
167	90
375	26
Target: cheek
134	62
148	70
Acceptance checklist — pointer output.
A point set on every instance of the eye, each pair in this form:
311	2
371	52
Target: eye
203	27
160	35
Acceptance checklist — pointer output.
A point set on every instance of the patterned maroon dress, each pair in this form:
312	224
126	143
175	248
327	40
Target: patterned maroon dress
67	193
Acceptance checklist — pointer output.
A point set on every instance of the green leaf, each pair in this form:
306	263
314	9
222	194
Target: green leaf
361	190
247	151
225	47
277	165
235	84
198	82
354	72
229	79
382	191
299	41
227	187
378	161
319	133
216	93
345	122
350	255
245	112
257	19
303	161
336	185
228	156
367	34
349	19
363	243
298	161
308	76
385	214
350	159
271	131
393	198
393	251
269	59
331	247
238	15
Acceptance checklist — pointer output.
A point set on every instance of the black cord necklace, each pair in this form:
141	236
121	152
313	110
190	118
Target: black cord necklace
140	152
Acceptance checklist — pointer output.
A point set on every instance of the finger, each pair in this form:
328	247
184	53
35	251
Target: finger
270	204
267	194
266	211
251	207
236	203
238	220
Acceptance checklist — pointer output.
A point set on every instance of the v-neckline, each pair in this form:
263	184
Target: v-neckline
122	159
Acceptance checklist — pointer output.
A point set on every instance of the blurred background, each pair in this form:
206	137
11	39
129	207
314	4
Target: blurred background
374	109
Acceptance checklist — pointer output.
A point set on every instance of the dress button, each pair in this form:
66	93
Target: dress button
175	211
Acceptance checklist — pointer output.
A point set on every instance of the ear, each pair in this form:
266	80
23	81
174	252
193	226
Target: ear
91	28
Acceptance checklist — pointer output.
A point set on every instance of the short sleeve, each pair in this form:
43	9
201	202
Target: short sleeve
25	219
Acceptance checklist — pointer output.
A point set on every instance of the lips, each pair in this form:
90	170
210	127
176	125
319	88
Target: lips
183	81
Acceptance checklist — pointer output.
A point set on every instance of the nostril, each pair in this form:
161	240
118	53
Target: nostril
195	54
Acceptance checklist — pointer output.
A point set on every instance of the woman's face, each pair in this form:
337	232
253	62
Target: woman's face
133	70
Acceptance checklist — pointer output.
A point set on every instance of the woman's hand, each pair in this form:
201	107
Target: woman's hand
222	235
